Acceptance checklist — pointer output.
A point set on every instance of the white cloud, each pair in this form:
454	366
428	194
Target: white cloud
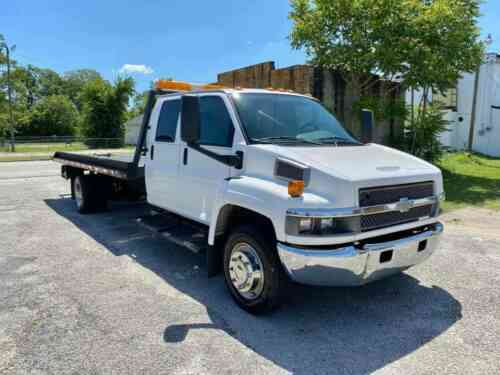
137	69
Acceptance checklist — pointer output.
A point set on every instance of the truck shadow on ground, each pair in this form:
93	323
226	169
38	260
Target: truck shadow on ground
318	330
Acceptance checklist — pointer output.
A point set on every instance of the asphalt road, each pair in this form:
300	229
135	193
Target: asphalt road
98	294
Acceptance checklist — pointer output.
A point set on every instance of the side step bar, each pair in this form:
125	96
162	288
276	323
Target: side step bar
177	230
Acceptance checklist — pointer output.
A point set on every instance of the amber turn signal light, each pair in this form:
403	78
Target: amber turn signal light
296	188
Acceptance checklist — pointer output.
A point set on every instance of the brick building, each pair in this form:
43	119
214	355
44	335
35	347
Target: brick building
323	84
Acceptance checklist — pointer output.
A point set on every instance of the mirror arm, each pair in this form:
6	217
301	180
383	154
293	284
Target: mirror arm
235	161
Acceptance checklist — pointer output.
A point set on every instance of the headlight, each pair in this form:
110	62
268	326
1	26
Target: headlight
305	225
308	226
312	226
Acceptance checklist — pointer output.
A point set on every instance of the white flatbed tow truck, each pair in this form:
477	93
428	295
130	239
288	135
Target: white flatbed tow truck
278	188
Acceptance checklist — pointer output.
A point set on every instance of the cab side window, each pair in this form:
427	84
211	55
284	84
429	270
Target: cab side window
216	127
167	123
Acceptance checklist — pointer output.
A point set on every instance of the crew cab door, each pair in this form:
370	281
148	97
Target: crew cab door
162	168
200	175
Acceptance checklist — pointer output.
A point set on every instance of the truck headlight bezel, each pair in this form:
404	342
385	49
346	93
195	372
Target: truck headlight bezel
320	226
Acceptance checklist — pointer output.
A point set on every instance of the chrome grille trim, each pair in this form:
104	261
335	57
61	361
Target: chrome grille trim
387	194
387	219
359	211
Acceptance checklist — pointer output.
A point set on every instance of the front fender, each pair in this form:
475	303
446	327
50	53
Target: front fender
266	197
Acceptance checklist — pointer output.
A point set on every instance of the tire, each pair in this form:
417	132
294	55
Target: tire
72	183
87	195
246	245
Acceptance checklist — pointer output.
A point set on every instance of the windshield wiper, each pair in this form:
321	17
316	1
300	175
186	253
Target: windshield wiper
336	140
283	139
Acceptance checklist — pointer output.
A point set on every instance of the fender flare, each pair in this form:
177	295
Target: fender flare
264	197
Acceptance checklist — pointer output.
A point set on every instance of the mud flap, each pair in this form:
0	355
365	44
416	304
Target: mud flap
214	259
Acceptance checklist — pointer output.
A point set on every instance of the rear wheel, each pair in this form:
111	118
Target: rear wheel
253	271
87	195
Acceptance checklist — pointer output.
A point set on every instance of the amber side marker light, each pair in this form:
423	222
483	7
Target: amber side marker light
296	188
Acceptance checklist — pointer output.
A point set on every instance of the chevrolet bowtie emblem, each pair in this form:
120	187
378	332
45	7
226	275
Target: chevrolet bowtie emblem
404	205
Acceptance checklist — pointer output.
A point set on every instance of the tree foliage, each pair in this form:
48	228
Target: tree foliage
74	82
52	115
32	84
421	137
138	104
3	58
105	107
423	44
46	103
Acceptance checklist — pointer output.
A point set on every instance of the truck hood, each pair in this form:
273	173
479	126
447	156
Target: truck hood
338	172
359	163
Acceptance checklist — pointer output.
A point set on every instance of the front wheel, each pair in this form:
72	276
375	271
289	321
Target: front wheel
253	271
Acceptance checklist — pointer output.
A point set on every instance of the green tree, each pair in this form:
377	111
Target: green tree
30	84
138	104
49	83
51	115
423	44
421	137
4	118
74	82
105	107
24	85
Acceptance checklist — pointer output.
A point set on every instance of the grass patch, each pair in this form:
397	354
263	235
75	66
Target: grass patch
46	147
471	180
59	146
51	147
24	157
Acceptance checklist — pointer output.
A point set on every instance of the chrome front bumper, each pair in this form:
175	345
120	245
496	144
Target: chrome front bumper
357	265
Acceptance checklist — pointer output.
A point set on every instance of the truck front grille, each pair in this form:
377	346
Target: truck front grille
386	219
390	194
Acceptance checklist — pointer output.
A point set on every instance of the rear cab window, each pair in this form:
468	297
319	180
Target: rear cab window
168	120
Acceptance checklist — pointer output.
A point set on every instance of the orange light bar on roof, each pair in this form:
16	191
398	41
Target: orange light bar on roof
163	84
213	87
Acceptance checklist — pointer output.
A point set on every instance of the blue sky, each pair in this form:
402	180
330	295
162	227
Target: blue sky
188	40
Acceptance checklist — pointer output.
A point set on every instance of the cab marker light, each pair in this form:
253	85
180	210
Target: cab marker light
296	188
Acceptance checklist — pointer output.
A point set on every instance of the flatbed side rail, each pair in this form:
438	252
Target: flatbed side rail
115	168
92	167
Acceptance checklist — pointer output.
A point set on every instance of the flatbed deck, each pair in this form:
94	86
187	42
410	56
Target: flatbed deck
119	166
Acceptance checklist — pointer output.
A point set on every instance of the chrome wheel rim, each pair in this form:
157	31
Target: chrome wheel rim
246	271
78	192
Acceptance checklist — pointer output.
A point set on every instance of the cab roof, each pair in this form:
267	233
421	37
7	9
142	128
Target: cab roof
171	87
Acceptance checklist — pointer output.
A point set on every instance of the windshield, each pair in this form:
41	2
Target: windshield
278	118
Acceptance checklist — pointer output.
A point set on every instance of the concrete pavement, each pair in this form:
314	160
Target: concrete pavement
98	294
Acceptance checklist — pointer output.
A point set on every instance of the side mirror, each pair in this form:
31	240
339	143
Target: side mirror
367	123
190	119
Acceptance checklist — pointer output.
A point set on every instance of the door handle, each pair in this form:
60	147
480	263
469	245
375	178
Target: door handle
185	156
152	155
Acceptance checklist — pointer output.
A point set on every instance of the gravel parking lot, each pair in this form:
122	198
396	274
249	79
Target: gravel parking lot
98	294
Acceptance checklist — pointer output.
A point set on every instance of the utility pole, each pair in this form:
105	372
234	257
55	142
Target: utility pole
487	42
474	110
9	94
